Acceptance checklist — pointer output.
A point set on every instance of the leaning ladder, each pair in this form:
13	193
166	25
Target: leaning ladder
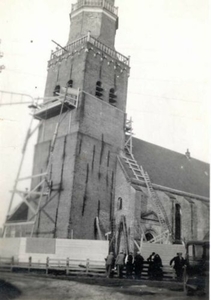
161	213
140	174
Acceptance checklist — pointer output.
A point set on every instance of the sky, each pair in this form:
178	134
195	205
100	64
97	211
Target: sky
168	93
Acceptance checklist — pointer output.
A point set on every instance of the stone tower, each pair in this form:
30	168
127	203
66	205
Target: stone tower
91	136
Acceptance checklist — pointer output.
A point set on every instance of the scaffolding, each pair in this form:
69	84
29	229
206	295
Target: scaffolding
62	102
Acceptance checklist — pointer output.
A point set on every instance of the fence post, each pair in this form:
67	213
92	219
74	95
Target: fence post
30	263
12	263
87	266
67	266
47	265
173	274
88	36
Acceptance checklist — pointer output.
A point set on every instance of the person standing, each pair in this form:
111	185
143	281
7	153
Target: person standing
129	265
110	261
120	262
138	265
179	263
158	272
150	259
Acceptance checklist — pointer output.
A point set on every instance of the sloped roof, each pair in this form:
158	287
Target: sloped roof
172	169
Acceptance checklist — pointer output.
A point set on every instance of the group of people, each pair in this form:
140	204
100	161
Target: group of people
131	263
155	266
134	265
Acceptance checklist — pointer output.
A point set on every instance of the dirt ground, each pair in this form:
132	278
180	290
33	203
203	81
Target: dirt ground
25	287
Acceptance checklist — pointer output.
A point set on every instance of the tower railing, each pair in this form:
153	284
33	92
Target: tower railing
95	3
70	48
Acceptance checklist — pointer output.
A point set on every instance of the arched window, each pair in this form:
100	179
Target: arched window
177	222
56	90
112	97
99	89
70	83
119	203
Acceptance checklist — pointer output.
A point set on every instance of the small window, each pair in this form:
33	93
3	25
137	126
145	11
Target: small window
70	83
119	203
112	97
56	90
99	89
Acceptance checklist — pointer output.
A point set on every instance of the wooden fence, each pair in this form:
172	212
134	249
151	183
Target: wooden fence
71	267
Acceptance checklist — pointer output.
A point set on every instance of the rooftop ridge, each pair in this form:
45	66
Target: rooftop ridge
179	153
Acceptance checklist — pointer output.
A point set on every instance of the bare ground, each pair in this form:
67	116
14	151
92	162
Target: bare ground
25	287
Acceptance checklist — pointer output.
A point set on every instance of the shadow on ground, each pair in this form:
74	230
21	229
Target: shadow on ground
8	291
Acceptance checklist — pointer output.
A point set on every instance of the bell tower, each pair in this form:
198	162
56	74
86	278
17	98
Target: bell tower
98	17
79	193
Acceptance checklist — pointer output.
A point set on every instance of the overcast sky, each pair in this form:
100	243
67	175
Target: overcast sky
168	41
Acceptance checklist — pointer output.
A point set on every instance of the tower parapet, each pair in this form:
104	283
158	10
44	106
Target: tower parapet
106	4
83	43
100	17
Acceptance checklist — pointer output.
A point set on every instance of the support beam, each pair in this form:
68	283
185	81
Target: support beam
18	223
33	176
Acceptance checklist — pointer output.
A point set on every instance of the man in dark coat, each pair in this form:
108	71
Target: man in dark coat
110	261
179	263
158	272
138	265
150	259
129	265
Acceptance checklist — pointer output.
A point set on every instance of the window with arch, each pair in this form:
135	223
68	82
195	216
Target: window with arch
56	90
177	222
70	83
112	97
119	203
99	89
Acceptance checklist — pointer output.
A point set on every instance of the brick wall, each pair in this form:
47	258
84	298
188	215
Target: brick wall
99	142
70	68
100	25
194	213
57	206
110	72
124	190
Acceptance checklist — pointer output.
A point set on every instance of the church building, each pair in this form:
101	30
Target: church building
91	178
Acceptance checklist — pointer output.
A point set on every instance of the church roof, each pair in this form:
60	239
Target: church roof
172	169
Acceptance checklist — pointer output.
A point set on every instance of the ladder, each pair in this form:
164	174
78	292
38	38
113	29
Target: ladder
140	174
161	213
133	165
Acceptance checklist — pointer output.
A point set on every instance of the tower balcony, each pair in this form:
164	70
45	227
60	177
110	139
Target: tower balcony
95	3
82	43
